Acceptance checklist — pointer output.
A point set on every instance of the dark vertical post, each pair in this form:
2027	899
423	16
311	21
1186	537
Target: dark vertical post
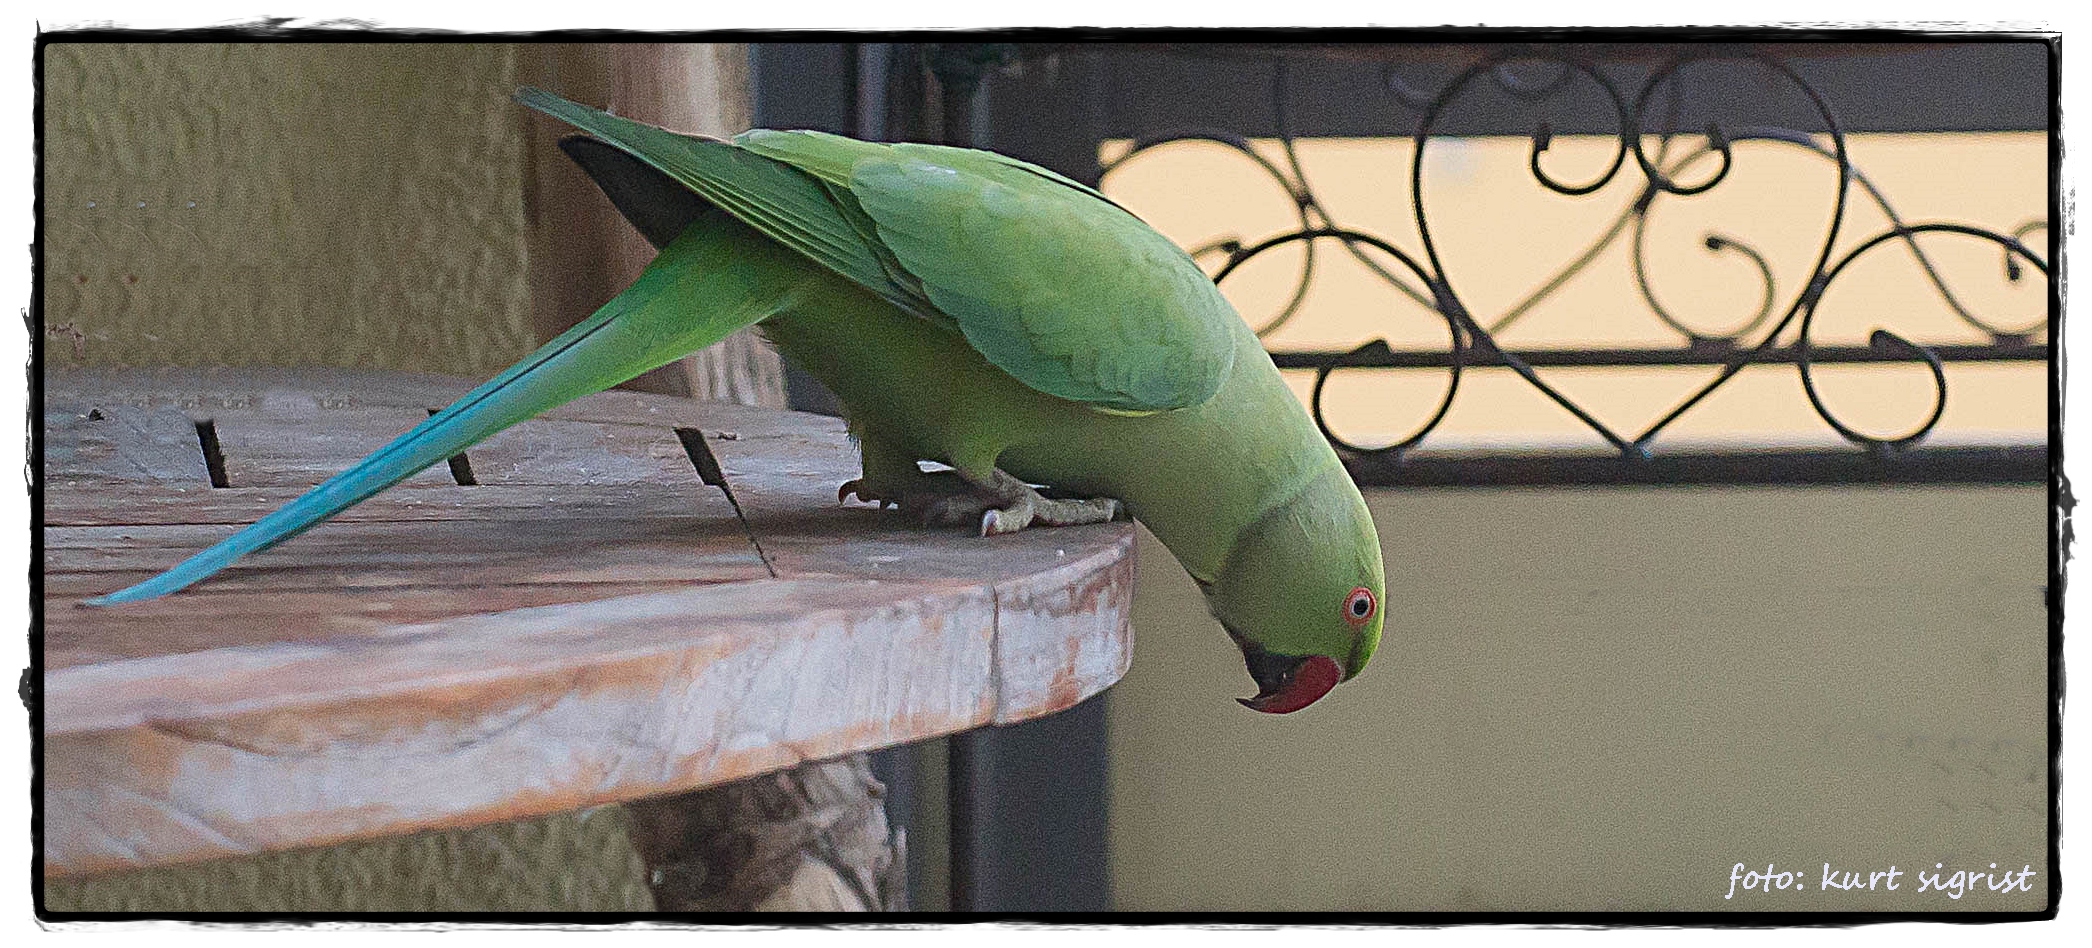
909	91
1029	815
874	61
814	86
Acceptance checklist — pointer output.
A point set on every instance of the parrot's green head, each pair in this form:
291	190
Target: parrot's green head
1301	593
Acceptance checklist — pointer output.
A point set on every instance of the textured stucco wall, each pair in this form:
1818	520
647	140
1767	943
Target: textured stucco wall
1605	699
284	204
308	204
577	862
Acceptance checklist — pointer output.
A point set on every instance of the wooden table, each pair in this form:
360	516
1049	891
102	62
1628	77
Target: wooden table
591	622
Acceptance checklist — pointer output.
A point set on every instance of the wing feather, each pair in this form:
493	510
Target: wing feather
1070	294
1045	277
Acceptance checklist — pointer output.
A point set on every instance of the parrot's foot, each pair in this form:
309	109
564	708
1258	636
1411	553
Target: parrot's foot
1007	505
1002	505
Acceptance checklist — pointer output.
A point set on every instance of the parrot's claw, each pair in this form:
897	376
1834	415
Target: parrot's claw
1007	505
949	510
1040	511
1002	505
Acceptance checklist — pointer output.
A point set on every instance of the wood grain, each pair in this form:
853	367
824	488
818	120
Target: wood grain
590	624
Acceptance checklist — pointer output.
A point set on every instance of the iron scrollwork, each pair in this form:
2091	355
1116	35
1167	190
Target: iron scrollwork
1663	170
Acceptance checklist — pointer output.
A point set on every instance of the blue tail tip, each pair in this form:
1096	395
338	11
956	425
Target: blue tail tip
119	597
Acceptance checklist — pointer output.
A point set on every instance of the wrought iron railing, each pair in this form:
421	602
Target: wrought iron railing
1779	333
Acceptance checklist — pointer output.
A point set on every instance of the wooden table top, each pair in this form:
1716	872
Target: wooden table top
590	623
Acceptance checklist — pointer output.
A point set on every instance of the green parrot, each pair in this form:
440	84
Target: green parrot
967	309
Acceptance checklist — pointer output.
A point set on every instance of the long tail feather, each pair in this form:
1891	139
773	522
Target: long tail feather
715	278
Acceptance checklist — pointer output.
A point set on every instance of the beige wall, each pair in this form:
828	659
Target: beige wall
577	862
284	204
1604	699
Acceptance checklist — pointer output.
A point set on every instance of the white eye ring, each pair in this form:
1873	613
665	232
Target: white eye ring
1359	606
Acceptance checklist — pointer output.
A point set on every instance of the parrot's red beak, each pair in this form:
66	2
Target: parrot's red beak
1286	684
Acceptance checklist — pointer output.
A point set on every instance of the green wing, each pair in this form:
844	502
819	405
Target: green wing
1048	280
1045	277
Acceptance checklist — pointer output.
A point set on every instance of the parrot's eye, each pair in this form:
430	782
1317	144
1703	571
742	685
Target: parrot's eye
1359	606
